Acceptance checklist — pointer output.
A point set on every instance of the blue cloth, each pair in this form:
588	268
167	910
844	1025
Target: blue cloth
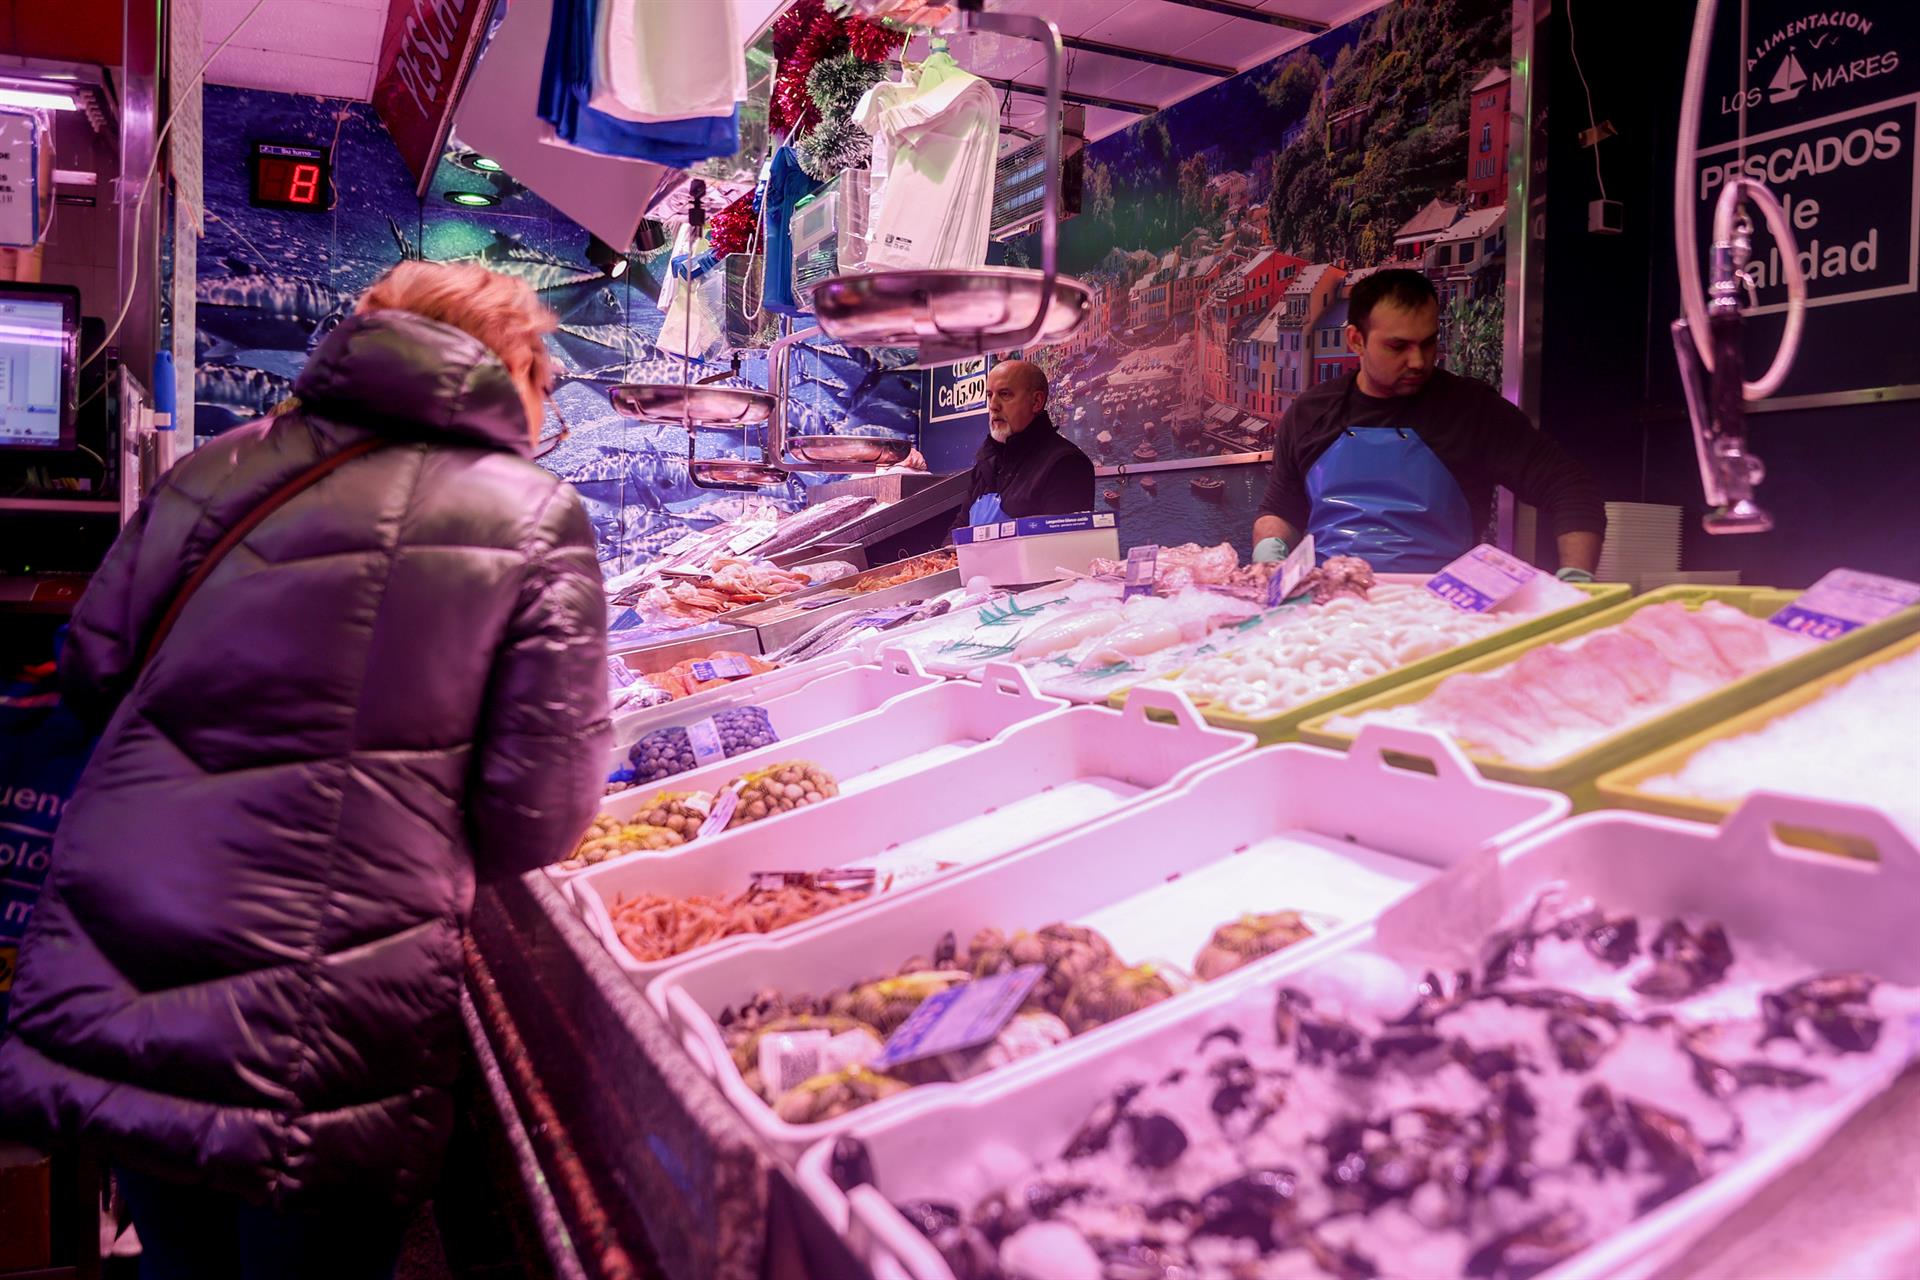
566	86
787	185
986	509
1381	494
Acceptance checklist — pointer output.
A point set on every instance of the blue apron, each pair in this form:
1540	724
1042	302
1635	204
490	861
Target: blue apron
1379	493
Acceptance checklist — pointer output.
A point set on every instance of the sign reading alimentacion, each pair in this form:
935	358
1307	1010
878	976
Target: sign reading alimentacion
1831	124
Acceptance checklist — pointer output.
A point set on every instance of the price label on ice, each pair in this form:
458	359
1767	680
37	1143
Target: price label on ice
1481	579
1845	600
623	675
749	538
961	1017
720	669
1143	564
1293	571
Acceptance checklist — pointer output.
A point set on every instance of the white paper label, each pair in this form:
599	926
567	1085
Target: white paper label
720	669
704	737
1143	565
749	538
723	806
1293	570
1845	600
1481	579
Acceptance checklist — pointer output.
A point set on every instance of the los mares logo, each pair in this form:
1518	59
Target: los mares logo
1810	54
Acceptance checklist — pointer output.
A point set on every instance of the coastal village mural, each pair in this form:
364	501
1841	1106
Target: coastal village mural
1223	238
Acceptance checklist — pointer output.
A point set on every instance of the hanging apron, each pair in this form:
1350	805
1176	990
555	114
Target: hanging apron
1380	494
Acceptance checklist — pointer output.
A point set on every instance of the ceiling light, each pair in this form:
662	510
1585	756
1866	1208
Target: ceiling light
472	199
609	260
486	164
37	95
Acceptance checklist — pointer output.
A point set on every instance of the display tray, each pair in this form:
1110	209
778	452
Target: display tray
1336	838
1577	774
661	654
629	726
1824	913
1037	780
910	733
780	622
1284	726
1623	788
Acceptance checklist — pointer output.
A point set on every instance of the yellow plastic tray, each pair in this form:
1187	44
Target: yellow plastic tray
1283	726
1577	775
1621	787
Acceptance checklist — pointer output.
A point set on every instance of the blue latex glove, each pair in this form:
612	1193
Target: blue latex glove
1571	574
1270	551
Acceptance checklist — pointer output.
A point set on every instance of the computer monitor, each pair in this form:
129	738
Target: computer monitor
39	358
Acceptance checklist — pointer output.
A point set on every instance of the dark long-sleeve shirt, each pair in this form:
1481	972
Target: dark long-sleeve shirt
1482	440
1037	472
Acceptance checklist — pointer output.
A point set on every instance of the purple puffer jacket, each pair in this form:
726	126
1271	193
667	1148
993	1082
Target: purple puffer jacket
246	967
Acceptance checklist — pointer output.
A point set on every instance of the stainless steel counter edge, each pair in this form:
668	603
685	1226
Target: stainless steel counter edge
673	1167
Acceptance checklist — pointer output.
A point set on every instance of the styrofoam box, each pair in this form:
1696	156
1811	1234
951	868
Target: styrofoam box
1833	914
909	733
1036	780
1334	836
1021	557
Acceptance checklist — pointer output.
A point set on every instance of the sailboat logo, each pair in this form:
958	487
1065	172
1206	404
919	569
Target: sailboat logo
1786	82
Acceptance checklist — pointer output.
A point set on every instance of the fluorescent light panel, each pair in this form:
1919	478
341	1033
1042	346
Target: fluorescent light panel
38	95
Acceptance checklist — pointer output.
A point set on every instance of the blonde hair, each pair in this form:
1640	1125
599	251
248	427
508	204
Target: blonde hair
500	311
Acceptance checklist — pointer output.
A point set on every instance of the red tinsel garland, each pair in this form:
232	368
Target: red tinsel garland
731	229
802	36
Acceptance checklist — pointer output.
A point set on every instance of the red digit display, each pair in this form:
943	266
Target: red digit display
288	181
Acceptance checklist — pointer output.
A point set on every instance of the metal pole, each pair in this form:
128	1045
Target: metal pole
1526	238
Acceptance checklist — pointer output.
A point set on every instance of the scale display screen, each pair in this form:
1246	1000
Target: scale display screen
289	175
38	334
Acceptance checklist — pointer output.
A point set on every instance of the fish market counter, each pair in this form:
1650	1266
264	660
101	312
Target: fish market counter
868	956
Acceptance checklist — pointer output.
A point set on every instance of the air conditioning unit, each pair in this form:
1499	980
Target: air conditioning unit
829	231
1020	177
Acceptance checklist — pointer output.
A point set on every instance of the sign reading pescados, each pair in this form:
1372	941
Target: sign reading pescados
1828	116
425	55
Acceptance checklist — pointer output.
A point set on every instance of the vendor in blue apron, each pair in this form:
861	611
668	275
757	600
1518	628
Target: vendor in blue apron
1025	467
1397	462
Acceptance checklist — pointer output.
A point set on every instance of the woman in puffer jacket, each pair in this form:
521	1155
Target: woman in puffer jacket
243	979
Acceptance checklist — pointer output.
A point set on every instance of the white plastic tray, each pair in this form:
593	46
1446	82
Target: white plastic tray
909	733
1036	780
1832	913
630	726
1335	836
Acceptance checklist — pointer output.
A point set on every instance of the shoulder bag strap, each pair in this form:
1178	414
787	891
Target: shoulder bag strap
237	534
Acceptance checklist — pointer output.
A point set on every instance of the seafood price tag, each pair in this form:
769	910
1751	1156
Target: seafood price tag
721	669
623	675
1142	564
704	737
961	1017
1481	579
723	806
883	618
1297	565
1845	600
749	538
